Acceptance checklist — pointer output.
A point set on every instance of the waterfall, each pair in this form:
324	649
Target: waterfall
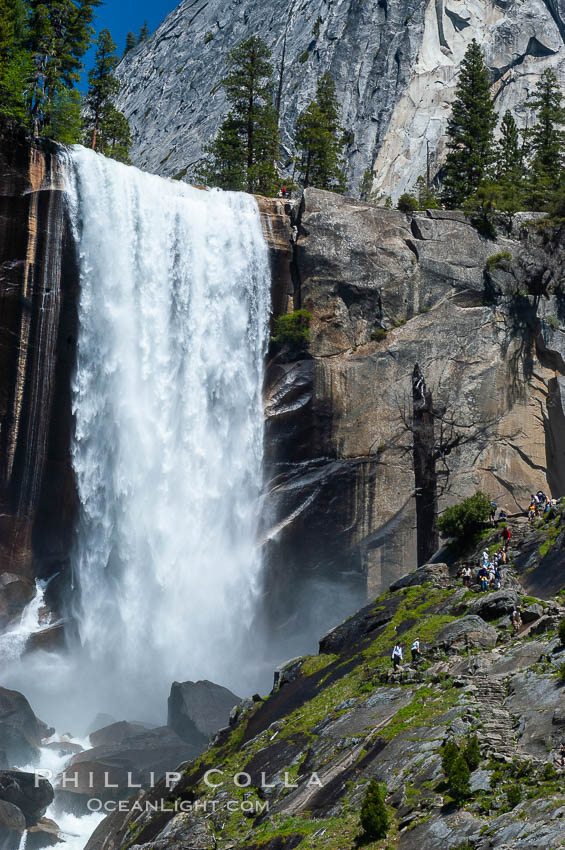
167	452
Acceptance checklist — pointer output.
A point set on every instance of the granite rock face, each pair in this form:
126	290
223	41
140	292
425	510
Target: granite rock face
38	293
387	291
196	710
395	66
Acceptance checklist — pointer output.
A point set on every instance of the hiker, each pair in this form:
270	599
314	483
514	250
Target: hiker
492	512
503	558
485	558
516	621
466	576
561	757
502	515
532	512
542	498
416	651
397	656
506	534
482	577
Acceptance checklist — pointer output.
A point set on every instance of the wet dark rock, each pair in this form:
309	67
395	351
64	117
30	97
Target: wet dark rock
532	612
116	733
21	732
196	710
32	795
12	825
45	833
50	639
16	592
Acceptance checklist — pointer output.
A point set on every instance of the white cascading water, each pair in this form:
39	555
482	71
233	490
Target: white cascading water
173	323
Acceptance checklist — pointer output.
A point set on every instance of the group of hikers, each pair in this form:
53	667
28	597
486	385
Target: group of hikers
398	655
540	505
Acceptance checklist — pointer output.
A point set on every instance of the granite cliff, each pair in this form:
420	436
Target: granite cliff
484	321
395	66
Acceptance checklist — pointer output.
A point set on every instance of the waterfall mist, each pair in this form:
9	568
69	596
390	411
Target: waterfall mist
168	446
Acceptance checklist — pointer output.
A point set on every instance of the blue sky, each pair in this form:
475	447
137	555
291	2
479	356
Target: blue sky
120	16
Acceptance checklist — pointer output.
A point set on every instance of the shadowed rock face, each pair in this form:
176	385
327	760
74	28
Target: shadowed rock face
38	285
339	457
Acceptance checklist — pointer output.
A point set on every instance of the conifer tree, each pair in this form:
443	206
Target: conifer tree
60	32
244	152
374	816
143	33
470	130
102	86
366	185
130	42
16	66
547	142
458	780
319	138
472	752
105	128
426	197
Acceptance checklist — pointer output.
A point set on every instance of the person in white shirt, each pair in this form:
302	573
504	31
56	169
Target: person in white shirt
397	656
416	650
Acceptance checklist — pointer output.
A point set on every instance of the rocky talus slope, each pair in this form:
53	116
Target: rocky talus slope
395	67
344	716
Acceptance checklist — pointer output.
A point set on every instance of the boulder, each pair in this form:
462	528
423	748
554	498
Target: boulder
12	825
436	574
15	593
116	733
45	834
196	710
111	771
31	794
495	605
467	632
50	639
21	731
532	613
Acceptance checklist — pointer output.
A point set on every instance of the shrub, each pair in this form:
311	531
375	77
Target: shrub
407	203
209	38
494	261
561	671
472	753
458	779
514	795
293	328
561	632
464	520
303	57
374	816
449	753
378	334
549	772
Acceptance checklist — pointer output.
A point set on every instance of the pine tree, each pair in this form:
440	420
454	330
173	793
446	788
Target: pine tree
102	87
16	66
59	34
143	33
131	41
472	753
319	138
547	142
449	753
510	168
470	130
366	185
115	134
244	152
426	197
374	816
458	780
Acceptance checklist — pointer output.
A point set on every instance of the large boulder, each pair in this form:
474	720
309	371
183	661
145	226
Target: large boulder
495	605
196	710
467	632
117	733
44	834
31	794
12	825
21	731
15	593
112	770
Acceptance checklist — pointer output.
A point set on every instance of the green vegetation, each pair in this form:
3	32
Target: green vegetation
561	632
374	816
463	521
106	130
514	796
303	57
293	328
457	763
209	38
42	45
470	130
407	203
320	142
143	33
496	260
130	42
242	156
